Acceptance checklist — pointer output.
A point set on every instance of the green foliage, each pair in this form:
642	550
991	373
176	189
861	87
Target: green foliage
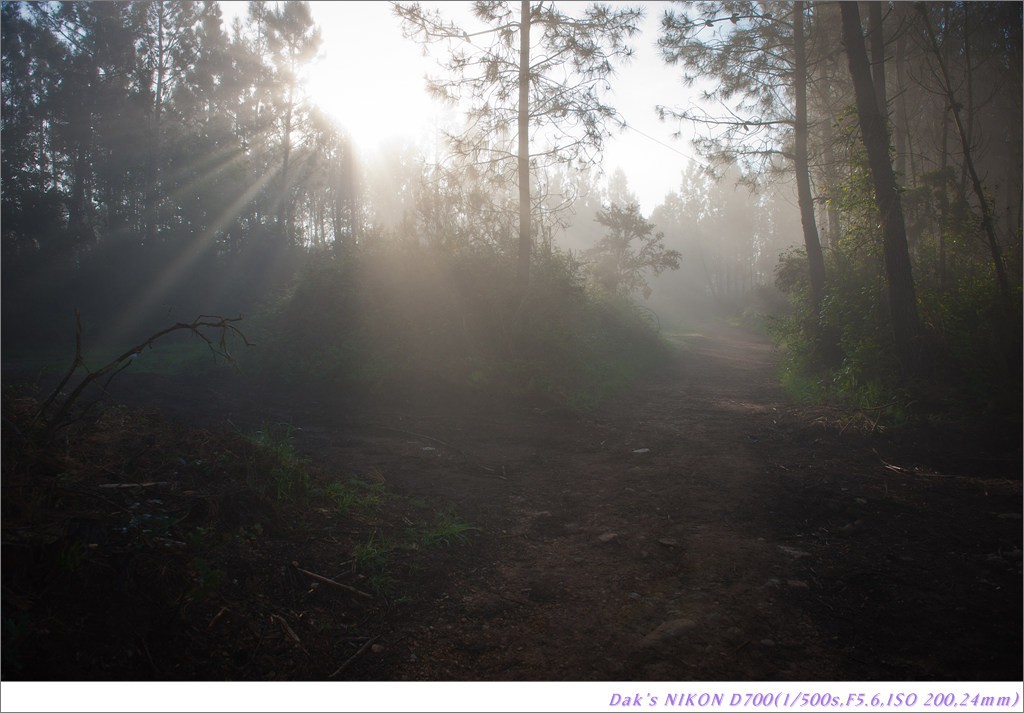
200	537
206	580
971	354
572	59
355	495
846	350
159	191
274	466
404	320
619	265
446	530
373	559
69	401
981	338
378	559
738	45
174	358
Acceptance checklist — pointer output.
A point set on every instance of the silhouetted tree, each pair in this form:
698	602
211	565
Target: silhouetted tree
987	220
167	49
906	324
294	40
629	251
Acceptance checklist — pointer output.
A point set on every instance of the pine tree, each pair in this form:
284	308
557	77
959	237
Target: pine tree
540	77
756	52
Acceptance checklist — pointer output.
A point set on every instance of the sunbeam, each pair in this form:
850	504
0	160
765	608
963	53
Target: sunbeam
169	277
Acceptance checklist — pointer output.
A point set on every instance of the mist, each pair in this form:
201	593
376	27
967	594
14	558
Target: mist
309	375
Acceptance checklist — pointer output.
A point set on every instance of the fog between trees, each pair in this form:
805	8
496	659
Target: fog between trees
159	163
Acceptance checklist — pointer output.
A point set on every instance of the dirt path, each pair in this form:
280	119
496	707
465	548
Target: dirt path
697	528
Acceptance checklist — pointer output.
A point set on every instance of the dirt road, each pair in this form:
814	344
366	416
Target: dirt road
697	528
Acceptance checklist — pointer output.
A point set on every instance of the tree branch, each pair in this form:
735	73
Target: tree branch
62	417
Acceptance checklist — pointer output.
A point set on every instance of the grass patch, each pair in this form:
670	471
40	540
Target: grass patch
802	387
177	526
274	465
380	562
446	530
374	561
355	495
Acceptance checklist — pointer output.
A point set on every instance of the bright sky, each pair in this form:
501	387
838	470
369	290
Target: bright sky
371	79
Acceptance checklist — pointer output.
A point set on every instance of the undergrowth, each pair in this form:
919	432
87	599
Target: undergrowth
273	465
129	522
379	560
398	321
967	376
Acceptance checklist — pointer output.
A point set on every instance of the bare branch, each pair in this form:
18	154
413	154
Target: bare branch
65	415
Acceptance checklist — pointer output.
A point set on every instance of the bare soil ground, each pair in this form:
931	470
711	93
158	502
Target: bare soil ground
697	527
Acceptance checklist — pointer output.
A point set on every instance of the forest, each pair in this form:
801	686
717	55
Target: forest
269	403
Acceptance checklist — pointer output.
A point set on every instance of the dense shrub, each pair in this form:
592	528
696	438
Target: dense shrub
969	366
399	320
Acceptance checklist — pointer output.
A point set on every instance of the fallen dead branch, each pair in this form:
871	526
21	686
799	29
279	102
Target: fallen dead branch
910	471
289	632
353	657
132	485
217	617
325	580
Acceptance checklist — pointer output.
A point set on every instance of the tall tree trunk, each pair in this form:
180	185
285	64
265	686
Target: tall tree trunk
815	259
900	124
943	200
284	210
152	198
906	324
986	210
831	210
76	207
877	39
525	242
900	121
969	89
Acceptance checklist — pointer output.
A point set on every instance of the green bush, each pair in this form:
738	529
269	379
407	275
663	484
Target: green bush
274	466
970	355
403	319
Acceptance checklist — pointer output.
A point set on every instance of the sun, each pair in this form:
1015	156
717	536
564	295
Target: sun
371	107
368	78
